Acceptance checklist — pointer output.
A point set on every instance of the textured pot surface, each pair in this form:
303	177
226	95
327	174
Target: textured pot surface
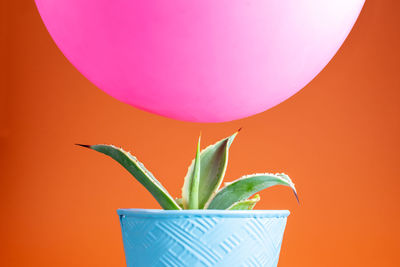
202	237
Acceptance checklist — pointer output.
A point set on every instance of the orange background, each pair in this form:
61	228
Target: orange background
338	139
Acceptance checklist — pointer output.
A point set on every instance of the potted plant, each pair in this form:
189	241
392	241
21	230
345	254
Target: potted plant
208	226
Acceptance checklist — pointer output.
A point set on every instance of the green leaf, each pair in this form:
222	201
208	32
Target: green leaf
137	169
179	202
213	163
247	204
190	190
246	186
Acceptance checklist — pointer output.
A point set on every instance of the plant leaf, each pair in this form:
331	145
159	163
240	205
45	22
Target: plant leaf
190	190
137	169
247	204
246	186
213	163
179	202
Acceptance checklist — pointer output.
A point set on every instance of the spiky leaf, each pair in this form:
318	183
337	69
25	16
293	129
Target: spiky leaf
245	187
247	204
213	163
137	169
190	190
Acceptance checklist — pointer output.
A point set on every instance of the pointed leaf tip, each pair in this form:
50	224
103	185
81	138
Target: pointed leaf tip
297	197
140	173
213	163
190	190
87	146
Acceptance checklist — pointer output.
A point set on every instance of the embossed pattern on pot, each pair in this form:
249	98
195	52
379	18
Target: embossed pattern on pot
203	239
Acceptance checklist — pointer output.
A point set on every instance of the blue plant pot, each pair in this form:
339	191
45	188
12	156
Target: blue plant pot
202	237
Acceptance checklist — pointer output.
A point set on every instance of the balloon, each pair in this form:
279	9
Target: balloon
200	60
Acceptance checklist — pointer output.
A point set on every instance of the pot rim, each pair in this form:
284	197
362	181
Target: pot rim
203	213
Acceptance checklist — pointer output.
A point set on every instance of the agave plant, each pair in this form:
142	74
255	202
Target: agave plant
203	180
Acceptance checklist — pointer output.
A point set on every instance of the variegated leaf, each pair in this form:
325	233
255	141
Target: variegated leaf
190	190
247	204
246	186
213	163
137	169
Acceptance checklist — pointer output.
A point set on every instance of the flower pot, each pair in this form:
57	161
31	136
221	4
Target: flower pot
202	237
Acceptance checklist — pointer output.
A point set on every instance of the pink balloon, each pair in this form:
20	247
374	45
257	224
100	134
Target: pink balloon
200	60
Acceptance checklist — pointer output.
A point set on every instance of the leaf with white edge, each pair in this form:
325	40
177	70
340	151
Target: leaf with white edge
213	163
190	190
247	204
179	202
137	169
245	187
